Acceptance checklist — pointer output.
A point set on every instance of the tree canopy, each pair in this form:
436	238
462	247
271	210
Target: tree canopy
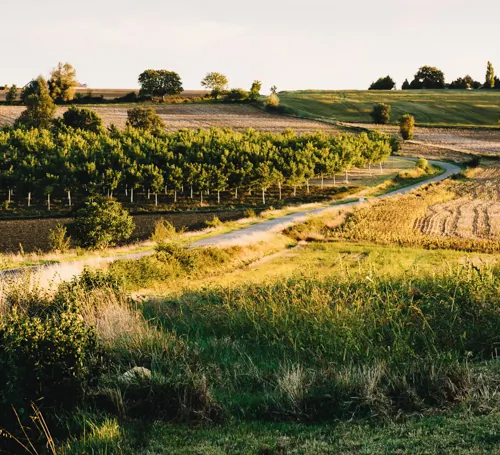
383	83
62	83
145	118
160	83
40	108
216	82
490	76
428	77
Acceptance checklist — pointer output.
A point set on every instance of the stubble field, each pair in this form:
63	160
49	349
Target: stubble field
193	115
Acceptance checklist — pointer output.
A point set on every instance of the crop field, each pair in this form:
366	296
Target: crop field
195	115
431	107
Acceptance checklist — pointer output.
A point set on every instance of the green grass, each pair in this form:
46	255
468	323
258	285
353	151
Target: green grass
430	107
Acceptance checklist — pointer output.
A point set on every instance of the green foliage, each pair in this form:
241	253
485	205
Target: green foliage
101	223
40	108
83	119
406	85
381	114
383	83
146	119
62	83
214	222
428	77
423	164
11	95
407	126
160	83
49	356
490	76
273	100
255	90
216	82
164	232
59	239
237	95
464	83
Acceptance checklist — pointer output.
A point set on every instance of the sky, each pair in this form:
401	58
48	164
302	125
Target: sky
307	44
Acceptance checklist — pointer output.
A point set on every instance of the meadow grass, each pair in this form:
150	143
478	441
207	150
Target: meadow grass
430	107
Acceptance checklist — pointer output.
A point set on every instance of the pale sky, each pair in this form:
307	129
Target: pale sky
308	44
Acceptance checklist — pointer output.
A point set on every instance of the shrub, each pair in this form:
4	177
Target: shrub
237	95
407	126
423	164
59	239
213	223
144	118
49	356
249	213
381	113
273	100
101	223
165	231
84	119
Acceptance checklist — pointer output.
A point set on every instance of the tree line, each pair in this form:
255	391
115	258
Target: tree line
64	161
430	77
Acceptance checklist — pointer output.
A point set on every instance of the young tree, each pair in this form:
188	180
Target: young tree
255	90
11	96
407	126
216	82
381	114
490	76
160	83
40	108
145	118
83	119
101	223
383	83
62	83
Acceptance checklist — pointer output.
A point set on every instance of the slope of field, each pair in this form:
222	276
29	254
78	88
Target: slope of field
196	115
433	107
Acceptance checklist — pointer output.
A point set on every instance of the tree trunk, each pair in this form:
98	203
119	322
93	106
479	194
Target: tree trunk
218	197
346	176
334	181
111	193
370	168
279	187
263	196
126	191
132	195
322	181
381	168
236	193
10	192
294	190
29	199
191	191
149	195
48	201
156	199
201	197
69	198
175	196
307	185
165	190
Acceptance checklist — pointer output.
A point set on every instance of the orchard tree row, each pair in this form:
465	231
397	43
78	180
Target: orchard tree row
65	161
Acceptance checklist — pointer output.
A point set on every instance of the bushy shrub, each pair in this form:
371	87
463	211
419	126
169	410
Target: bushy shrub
381	114
101	223
407	126
59	239
214	222
84	119
237	95
50	356
423	164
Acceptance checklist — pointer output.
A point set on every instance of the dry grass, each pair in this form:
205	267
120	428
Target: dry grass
198	115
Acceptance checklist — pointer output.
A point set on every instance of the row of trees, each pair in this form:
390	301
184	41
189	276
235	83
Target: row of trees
430	77
65	161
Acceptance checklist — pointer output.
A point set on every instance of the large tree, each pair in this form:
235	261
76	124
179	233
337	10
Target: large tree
216	82
40	108
62	83
464	83
383	83
160	83
490	76
428	77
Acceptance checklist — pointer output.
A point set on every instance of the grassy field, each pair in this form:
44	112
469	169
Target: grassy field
430	107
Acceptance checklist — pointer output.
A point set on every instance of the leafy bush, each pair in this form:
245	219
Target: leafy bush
407	126
423	164
83	119
59	239
101	223
165	231
237	95
50	356
381	113
214	222
383	83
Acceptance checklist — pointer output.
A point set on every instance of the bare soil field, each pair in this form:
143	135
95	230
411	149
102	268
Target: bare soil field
195	115
475	141
474	214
